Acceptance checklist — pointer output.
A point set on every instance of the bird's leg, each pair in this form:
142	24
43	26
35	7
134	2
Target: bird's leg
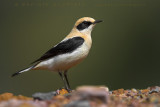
68	85
63	78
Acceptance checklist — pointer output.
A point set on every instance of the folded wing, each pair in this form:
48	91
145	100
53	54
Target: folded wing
66	46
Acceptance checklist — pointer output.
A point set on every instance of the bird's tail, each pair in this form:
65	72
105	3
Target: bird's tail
24	70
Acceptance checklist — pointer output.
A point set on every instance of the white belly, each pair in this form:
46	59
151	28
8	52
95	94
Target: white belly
65	61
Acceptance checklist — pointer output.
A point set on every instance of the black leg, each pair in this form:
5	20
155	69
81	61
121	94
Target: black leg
63	78
65	75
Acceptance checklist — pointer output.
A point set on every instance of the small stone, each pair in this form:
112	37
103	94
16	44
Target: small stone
134	90
145	91
154	89
20	97
121	91
44	96
78	104
91	93
6	96
115	92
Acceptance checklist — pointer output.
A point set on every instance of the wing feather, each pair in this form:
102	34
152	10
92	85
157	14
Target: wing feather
66	46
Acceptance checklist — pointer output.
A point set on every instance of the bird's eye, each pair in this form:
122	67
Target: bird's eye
87	23
84	25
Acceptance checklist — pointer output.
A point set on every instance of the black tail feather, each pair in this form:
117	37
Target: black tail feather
15	74
24	70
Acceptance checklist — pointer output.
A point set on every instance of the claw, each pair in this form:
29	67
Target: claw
63	91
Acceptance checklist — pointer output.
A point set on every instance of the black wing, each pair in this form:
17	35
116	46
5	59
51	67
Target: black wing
66	46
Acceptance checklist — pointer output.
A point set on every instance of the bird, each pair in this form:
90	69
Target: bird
72	50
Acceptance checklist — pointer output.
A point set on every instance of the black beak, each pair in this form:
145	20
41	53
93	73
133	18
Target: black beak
97	21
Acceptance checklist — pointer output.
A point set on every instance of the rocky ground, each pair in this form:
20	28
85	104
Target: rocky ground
86	96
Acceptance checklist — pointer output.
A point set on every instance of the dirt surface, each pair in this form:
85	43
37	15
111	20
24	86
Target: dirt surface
87	96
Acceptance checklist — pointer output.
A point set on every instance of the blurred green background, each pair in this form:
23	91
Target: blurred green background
125	51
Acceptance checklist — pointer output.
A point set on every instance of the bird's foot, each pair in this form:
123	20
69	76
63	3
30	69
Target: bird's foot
69	90
63	91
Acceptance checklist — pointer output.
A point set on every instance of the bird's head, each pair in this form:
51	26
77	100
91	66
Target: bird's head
85	25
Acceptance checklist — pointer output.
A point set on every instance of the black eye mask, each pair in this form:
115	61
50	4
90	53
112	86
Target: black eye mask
84	25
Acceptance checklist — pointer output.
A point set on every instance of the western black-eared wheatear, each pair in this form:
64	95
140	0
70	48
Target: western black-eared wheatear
69	52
